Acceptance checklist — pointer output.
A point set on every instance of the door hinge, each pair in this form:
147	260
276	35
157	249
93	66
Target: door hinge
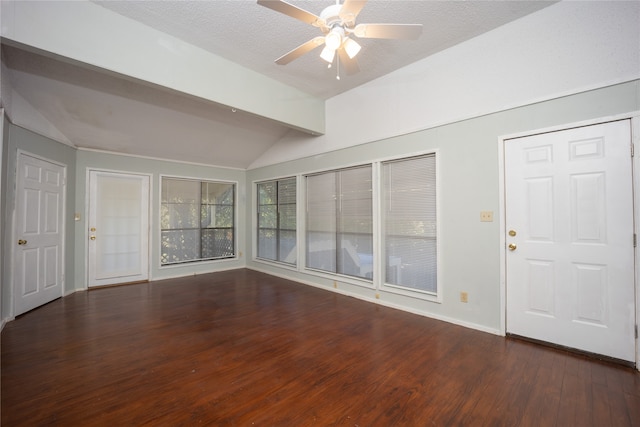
636	331
632	149
635	240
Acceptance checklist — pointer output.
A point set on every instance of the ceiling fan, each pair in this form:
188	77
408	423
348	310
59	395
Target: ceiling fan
338	24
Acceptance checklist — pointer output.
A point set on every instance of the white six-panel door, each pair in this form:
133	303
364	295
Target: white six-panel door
570	238
118	228
38	234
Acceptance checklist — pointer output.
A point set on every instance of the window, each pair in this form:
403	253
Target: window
340	222
277	220
196	220
409	223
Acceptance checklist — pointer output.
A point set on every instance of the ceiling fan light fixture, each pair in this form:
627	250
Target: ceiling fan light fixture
333	40
337	23
328	54
351	47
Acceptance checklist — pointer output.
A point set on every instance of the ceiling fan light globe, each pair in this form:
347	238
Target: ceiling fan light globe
333	40
328	54
351	47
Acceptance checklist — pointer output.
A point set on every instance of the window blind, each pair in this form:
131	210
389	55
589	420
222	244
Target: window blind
409	223
340	222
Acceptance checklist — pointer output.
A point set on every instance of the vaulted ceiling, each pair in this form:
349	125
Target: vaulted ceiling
89	105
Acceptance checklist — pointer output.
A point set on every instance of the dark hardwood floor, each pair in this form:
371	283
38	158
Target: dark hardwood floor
242	348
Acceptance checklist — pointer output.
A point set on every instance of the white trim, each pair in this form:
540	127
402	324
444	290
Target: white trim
253	206
276	178
44	159
195	262
193	273
278	264
384	303
5	321
351	165
378	252
634	117
301	222
401	290
503	227
635	170
160	159
88	171
409	155
195	178
339	278
572	125
71	292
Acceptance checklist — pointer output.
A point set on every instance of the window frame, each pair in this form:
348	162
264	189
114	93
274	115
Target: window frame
378	283
381	282
234	228
277	229
344	278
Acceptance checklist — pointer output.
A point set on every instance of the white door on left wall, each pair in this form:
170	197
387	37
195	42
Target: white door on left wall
38	232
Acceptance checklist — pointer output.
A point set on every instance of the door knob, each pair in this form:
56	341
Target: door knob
512	247
22	242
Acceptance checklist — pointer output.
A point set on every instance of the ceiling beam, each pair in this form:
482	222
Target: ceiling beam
92	36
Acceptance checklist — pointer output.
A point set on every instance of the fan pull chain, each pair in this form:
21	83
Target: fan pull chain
337	66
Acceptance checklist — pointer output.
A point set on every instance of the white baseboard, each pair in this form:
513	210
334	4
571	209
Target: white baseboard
470	325
5	321
72	291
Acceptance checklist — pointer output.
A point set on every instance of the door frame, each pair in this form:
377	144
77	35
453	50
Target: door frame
63	228
635	139
86	215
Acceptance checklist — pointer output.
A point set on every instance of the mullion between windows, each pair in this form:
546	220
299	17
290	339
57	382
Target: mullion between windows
278	220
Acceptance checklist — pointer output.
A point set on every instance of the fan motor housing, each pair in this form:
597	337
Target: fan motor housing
331	16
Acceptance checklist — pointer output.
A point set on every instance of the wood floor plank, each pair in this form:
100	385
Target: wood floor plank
245	348
633	409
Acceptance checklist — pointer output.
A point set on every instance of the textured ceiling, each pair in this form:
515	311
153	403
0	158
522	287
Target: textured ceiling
254	36
95	109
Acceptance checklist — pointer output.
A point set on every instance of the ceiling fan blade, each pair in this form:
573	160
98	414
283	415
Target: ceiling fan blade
350	10
300	50
292	11
350	65
388	31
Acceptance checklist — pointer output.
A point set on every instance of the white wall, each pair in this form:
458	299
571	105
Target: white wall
468	183
563	49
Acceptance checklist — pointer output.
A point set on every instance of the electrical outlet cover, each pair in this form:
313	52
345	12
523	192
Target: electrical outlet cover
486	216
